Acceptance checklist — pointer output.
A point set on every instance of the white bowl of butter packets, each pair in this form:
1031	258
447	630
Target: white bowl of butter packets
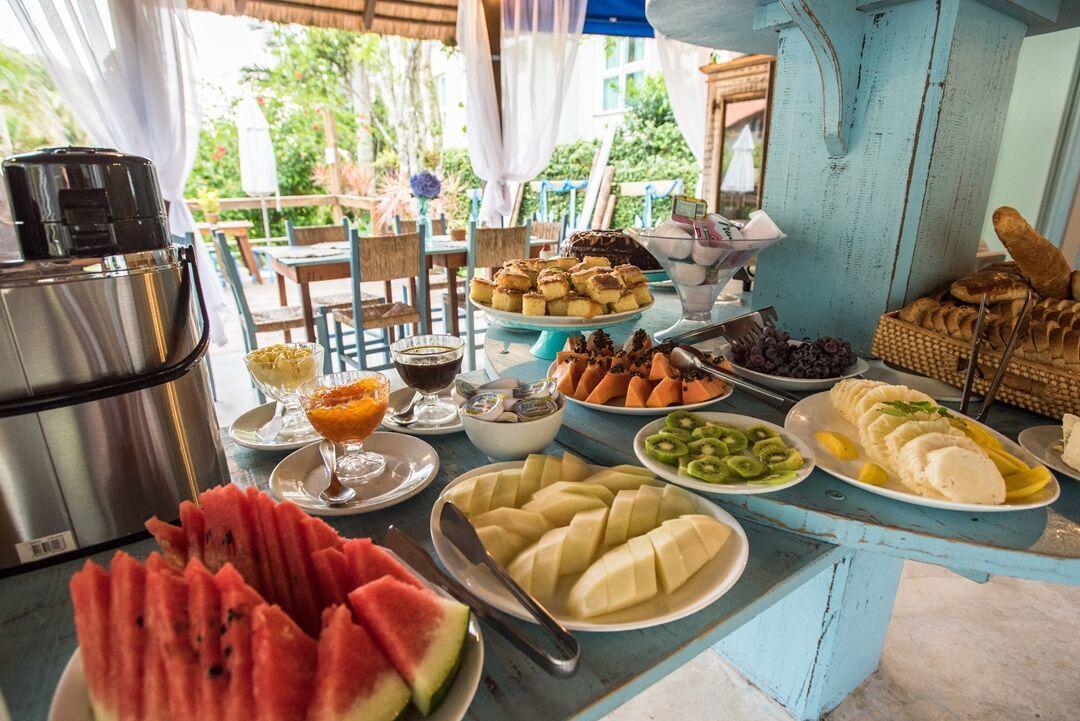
508	424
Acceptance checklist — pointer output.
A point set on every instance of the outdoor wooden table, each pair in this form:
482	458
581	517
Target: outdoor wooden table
38	631
813	648
238	229
440	250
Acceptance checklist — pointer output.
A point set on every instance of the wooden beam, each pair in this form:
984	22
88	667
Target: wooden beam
493	18
637	188
285	201
369	13
334	168
356	14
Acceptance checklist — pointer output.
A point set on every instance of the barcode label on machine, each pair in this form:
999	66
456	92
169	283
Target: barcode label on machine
45	546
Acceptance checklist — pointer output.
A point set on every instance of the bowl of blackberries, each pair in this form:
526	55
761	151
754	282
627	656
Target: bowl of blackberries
776	359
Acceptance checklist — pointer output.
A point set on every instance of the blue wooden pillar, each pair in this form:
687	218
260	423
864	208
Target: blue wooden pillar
817	644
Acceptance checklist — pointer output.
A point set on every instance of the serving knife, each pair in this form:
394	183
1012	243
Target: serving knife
413	554
461	534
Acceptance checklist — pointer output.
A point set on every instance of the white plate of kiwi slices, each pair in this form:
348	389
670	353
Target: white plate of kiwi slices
723	453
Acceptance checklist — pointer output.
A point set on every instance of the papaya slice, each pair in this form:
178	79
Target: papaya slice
612	385
590	378
567	376
660	368
565	354
667	392
638	390
716	386
696	391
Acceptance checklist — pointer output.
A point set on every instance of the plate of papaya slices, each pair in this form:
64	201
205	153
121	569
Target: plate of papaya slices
636	379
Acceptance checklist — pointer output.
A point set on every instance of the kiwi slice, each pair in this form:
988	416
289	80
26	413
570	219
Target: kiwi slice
708	447
776	478
665	449
684	420
682	435
708	469
707	431
733	438
770	450
760	433
745	467
792	461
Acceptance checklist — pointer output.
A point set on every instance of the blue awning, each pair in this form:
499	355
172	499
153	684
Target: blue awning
617	17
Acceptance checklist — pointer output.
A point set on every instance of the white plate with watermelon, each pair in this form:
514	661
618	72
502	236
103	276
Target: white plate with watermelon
709	583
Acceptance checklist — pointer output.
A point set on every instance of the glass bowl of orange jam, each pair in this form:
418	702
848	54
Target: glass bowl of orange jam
346	408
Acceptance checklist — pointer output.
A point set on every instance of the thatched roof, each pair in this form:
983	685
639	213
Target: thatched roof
427	19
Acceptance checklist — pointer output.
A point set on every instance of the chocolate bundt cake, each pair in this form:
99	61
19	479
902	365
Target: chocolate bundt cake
612	244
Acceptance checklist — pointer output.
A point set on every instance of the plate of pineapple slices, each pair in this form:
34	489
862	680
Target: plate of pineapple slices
603	549
897	442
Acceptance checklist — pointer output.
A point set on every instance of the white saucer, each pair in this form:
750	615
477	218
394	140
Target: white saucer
399	397
411	464
1041	441
246	431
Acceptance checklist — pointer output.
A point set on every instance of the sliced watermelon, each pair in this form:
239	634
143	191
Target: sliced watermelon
204	612
238	602
305	608
279	568
422	634
127	629
262	550
155	689
355	681
284	666
167	624
90	596
230	535
370	562
172	540
335	575
318	534
156	563
194	525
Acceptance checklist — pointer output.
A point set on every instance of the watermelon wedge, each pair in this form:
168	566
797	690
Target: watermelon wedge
301	572
90	592
370	562
335	575
172	539
155	690
194	525
127	646
421	633
355	681
230	534
262	550
284	666
204	611
318	534
167	624
279	588
238	602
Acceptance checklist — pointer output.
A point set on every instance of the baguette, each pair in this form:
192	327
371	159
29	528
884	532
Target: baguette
1042	263
1001	282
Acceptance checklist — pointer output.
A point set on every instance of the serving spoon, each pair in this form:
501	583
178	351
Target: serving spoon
335	494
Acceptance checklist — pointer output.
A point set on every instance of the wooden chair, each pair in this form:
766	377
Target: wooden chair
487	248
438	225
315	234
385	258
550	230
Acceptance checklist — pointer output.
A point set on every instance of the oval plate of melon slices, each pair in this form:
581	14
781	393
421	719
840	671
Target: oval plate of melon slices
604	549
843	455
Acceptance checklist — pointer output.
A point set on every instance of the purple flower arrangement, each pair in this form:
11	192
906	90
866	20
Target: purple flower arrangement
425	185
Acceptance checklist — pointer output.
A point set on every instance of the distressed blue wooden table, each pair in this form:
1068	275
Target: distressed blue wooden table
814	647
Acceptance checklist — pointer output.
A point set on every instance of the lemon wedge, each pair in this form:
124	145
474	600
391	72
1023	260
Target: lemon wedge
837	444
873	474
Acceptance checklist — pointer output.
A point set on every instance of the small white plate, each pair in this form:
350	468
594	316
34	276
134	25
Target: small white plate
411	464
816	413
671	473
622	410
1041	441
71	700
712	581
798	385
566	322
399	397
246	431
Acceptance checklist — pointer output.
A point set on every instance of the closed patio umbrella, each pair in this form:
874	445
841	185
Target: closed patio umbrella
258	168
740	175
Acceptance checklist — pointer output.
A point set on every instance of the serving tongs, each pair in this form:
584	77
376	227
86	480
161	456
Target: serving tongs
1006	356
461	534
743	328
685	356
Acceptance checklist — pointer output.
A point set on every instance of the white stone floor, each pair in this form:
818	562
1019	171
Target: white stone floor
1007	650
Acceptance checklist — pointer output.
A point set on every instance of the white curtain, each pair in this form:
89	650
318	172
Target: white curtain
681	63
126	69
539	45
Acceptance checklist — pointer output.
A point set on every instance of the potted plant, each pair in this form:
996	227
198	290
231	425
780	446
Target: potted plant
210	205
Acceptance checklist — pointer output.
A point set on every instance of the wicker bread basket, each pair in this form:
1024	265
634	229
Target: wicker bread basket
1037	387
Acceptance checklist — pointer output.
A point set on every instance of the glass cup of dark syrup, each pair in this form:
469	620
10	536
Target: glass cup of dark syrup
429	363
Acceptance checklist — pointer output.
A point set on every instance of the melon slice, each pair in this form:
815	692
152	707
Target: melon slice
675	502
238	602
354	680
616	480
461	495
305	609
669	563
713	533
501	544
229	535
523	523
588	596
618	525
90	591
583	538
624	576
506	489
638	390
204	614
547	559
283	671
481	498
127	599
171	539
335	575
370	562
421	633
667	392
521	568
279	590
530	476
585	489
559	508
691	548
618	565
552	472
194	525
573	468
645	511
644	568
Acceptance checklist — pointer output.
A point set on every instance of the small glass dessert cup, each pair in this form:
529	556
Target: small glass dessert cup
278	370
346	408
429	363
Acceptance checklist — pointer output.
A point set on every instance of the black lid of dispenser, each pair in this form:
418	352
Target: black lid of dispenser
84	202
